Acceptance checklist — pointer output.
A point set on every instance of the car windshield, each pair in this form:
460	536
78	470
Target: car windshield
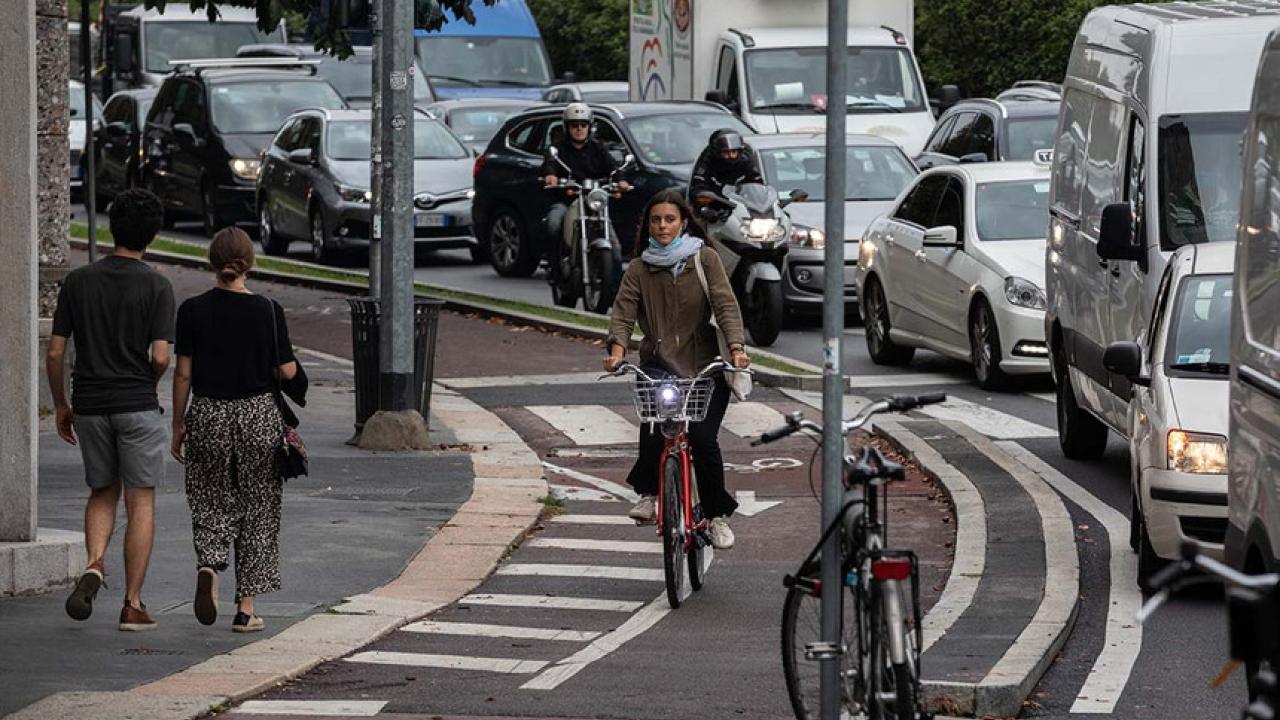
678	139
871	173
1027	135
77	103
1012	210
478	125
484	61
1200	335
793	81
1200	171
197	40
353	78
262	105
349	140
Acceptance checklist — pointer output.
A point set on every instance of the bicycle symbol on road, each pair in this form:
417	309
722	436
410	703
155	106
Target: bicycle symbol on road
763	465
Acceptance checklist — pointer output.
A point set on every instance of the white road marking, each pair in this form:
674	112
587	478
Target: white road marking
595	453
578	519
341	361
988	421
748	504
547	601
852	403
325	708
608	486
619	546
432	627
588	424
468	383
608	572
903	380
750	419
508	666
1114	665
573	492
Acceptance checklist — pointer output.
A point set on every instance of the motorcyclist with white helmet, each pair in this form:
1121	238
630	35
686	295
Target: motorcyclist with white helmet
585	156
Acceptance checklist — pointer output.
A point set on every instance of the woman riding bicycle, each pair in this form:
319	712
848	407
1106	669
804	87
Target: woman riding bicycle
661	290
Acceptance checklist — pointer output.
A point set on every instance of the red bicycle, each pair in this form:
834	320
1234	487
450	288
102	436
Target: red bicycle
672	403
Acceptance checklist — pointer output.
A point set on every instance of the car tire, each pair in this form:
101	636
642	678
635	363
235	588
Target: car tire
1135	527
875	313
984	348
272	242
322	251
1080	435
1149	563
510	251
209	216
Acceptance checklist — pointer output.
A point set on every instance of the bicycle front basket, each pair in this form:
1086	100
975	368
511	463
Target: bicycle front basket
673	399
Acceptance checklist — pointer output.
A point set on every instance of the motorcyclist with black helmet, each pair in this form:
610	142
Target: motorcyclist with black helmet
727	160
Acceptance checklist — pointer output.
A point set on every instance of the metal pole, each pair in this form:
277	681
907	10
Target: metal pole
833	350
396	118
88	180
375	156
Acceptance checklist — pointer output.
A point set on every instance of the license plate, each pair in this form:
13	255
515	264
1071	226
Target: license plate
431	220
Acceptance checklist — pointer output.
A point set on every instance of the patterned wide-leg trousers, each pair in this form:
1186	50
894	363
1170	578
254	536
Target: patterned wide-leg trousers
234	488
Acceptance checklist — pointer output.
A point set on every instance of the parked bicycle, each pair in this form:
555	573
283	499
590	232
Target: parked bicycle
879	650
673	403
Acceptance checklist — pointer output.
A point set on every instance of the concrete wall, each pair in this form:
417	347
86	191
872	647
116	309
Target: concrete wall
54	178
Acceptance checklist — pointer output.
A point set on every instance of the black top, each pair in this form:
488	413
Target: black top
589	162
113	310
227	335
711	172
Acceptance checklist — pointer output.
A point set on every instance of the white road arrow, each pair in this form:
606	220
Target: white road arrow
748	504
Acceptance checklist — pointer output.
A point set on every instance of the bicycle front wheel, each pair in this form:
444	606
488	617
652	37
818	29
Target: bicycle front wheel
802	625
673	530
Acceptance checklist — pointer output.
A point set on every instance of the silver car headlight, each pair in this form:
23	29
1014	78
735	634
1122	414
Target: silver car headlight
1200	453
596	199
246	168
355	195
807	237
1024	293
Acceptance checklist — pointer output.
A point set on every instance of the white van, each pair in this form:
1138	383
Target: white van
1147	160
1253	529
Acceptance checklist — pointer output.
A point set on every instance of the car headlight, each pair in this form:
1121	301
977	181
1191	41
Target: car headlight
1024	293
596	199
245	168
763	228
1191	452
669	401
355	195
807	237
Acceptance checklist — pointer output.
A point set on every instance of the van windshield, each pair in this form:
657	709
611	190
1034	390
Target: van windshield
484	61
1200	171
1200	335
793	81
197	40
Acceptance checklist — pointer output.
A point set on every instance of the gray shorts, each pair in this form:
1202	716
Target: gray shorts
127	447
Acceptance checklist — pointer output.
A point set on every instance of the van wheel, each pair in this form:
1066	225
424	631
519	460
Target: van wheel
984	348
1080	435
509	246
1148	562
875	313
1135	528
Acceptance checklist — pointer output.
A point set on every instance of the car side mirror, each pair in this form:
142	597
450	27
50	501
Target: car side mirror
975	157
1124	358
186	132
115	129
1116	234
722	99
122	54
302	156
943	236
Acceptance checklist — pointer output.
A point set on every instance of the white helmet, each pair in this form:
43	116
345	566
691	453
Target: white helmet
576	111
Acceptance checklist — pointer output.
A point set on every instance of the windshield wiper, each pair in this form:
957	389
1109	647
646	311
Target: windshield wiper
1212	368
872	104
787	106
454	78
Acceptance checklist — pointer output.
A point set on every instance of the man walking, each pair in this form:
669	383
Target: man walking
120	314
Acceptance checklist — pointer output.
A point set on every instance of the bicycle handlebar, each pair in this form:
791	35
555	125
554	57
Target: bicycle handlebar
1169	579
898	403
717	365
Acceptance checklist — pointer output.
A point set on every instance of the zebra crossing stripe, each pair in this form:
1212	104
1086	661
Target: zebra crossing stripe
620	546
608	486
750	419
556	675
432	627
469	383
588	424
574	492
581	571
509	666
321	708
572	519
550	602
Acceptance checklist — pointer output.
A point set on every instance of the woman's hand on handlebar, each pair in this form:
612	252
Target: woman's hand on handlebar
740	359
612	361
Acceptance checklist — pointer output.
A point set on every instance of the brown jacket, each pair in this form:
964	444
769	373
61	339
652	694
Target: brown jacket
674	313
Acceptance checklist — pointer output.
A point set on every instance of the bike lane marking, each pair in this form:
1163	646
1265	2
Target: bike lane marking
546	601
508	666
588	424
322	708
607	486
431	627
576	519
607	572
618	546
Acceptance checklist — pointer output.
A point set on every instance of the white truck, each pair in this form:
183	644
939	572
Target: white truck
765	60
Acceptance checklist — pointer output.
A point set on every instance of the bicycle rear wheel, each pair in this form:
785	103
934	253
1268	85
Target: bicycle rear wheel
673	530
801	625
887	677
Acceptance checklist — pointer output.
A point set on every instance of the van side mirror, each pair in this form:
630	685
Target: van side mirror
943	236
974	157
122	54
1124	358
1116	234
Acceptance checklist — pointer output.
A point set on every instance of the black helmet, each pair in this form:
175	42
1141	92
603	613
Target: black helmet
723	140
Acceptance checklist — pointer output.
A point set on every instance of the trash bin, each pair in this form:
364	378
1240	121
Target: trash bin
365	321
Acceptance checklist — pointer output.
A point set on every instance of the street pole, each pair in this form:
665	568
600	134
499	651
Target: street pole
833	353
88	179
375	156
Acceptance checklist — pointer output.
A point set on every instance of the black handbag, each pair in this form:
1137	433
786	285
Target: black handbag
291	454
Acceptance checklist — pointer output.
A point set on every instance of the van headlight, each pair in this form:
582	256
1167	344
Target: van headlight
1024	293
763	229
1199	453
807	237
246	168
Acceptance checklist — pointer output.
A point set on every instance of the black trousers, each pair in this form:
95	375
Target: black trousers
708	463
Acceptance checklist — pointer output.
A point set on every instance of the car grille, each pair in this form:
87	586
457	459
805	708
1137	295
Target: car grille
1204	529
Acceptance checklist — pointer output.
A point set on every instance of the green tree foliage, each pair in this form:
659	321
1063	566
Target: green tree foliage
984	46
586	37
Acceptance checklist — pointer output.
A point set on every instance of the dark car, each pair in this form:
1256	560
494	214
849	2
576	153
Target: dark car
664	137
119	141
208	126
1012	127
352	76
314	185
476	120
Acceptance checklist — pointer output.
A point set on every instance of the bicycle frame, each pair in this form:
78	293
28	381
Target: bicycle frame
679	445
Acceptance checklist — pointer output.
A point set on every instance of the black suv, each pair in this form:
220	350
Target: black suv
208	126
1013	126
118	141
510	204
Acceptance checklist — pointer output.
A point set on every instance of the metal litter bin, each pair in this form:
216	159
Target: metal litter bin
366	318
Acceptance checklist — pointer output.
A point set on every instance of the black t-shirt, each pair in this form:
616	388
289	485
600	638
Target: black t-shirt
227	335
113	310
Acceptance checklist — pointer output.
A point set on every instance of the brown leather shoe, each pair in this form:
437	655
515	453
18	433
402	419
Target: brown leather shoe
136	619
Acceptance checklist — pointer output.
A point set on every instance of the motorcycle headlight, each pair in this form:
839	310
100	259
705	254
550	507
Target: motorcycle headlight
1024	293
355	195
807	237
669	401
1197	452
246	168
762	228
596	199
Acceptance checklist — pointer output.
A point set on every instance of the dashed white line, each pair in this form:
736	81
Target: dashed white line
550	602
607	572
508	666
323	708
581	519
588	424
432	627
618	546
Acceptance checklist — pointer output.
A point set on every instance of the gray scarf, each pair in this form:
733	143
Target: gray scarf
672	255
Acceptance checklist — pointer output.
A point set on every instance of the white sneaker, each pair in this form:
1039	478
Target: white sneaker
721	535
645	510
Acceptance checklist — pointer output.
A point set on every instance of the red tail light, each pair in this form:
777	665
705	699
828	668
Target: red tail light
891	569
475	171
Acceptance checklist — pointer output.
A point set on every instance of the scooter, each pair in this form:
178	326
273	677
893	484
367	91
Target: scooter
587	261
751	227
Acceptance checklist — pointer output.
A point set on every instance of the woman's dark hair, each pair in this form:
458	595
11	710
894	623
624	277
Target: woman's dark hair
136	216
230	253
669	197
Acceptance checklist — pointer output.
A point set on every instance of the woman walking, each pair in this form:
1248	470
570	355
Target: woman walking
663	292
233	348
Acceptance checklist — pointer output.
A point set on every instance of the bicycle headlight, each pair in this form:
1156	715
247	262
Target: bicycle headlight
1199	453
596	199
246	168
807	237
668	400
763	228
1024	293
